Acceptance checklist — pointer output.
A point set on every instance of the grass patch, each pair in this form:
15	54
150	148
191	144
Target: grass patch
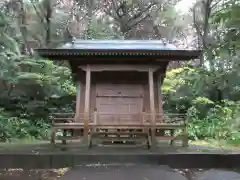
32	145
22	142
22	145
231	145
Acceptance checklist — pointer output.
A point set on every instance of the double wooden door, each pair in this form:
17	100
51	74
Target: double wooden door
119	103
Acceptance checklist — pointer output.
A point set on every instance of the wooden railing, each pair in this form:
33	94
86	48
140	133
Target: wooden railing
96	118
120	123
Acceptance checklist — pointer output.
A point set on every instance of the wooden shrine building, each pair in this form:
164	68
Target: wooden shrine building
118	89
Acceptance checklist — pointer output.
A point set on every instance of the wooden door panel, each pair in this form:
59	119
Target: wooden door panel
119	90
115	109
118	110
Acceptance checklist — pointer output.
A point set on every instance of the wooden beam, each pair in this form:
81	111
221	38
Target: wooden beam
78	101
152	107
120	67
87	102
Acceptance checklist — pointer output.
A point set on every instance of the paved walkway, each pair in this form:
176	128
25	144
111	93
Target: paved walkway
217	175
142	172
126	172
120	172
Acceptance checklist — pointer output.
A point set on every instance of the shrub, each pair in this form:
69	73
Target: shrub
221	121
19	128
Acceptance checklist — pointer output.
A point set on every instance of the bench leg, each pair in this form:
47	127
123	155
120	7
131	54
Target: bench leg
90	142
185	136
153	141
185	141
53	136
153	138
64	135
148	141
172	134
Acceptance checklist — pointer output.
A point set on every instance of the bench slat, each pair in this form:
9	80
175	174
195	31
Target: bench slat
68	137
129	126
119	133
62	114
63	118
121	139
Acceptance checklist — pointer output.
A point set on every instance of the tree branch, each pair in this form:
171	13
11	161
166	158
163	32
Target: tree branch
38	14
141	12
140	20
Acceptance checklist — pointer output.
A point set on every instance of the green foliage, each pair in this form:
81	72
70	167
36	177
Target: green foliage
29	89
211	94
221	122
213	107
227	18
18	128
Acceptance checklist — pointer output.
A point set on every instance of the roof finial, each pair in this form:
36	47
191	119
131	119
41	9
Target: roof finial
73	40
164	40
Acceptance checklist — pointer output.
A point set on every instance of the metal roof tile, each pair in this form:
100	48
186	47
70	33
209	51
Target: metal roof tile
118	45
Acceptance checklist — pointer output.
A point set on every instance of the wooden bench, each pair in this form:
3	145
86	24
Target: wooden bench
161	129
171	122
66	123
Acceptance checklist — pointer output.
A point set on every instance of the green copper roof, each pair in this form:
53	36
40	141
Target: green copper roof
118	45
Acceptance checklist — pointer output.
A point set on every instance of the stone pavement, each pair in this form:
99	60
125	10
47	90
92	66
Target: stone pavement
124	172
217	175
142	172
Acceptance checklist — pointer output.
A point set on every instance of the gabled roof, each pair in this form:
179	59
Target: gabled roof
105	48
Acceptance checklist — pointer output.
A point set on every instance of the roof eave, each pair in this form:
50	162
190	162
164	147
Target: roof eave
55	54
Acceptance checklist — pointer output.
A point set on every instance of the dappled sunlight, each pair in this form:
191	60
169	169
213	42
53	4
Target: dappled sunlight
38	174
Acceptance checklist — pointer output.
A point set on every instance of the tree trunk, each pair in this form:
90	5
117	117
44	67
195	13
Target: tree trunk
26	49
48	21
89	6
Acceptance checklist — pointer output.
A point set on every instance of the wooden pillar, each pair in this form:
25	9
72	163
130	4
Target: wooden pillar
78	101
87	103
160	105
152	107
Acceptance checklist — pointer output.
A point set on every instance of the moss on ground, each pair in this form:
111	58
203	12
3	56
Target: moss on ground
38	174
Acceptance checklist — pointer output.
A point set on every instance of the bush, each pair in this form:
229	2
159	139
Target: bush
210	98
19	128
221	121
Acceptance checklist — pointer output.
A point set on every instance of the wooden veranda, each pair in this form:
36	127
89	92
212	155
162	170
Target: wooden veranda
143	134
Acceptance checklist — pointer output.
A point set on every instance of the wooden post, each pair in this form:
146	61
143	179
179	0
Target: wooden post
95	114
152	107
87	103
160	99
185	133
53	136
78	101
